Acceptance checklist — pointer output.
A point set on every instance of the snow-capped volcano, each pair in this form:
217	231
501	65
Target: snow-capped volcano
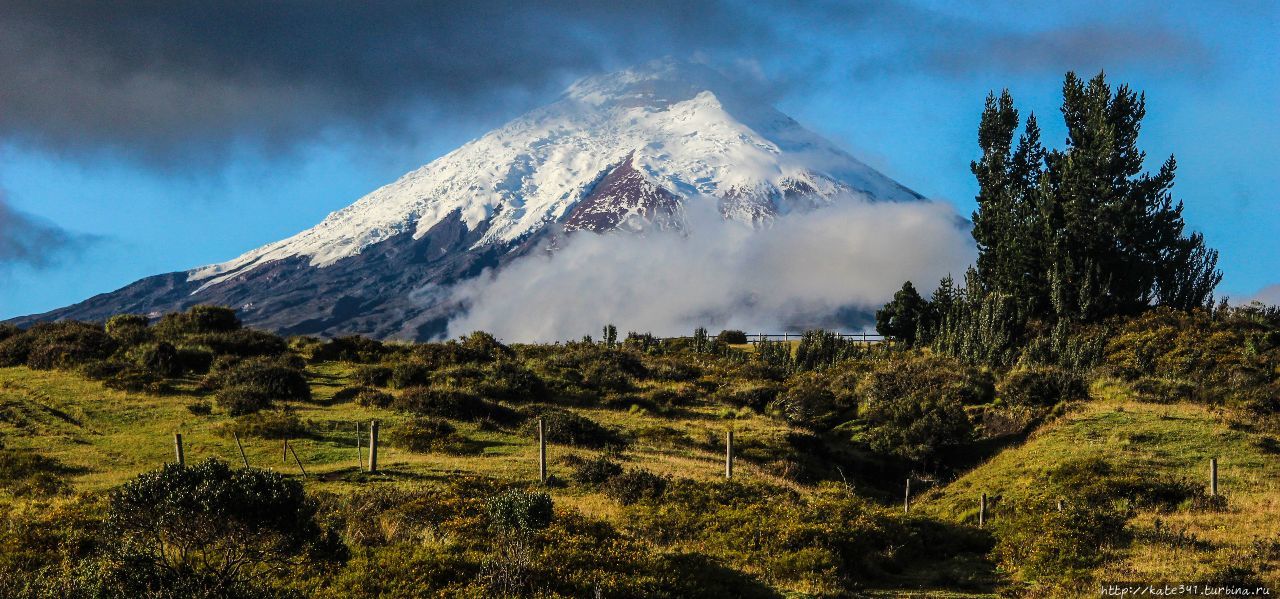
627	150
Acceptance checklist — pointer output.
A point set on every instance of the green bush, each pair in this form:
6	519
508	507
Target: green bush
1165	390
275	424
245	343
808	401
673	369
195	360
1043	386
365	396
99	370
373	376
521	511
265	378
426	435
353	348
508	380
241	400
731	337
248	519
128	329
756	395
819	349
594	471
197	320
409	374
62	345
161	358
569	428
635	485
444	403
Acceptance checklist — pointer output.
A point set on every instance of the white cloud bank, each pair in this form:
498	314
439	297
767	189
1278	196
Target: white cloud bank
804	270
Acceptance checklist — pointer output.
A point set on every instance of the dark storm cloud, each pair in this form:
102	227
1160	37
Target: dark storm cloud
30	241
170	82
148	76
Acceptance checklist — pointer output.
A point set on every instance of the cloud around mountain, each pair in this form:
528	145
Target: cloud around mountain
804	270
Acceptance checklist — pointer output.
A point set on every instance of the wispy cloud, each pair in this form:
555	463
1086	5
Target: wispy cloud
26	240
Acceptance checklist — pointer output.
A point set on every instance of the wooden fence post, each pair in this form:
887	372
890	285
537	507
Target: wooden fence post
982	511
906	501
284	451
177	448
240	446
728	454
373	446
299	462
542	451
1213	476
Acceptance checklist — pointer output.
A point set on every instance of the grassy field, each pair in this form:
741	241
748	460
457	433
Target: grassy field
1156	440
110	436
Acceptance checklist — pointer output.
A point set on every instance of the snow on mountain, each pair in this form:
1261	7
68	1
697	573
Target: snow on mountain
621	149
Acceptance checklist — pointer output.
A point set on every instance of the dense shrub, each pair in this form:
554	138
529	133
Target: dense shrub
194	360
731	337
241	400
1043	386
128	329
160	358
373	376
99	370
508	380
672	369
635	485
442	402
409	374
266	378
245	343
915	408
518	510
274	424
66	344
233	525
353	348
569	428
430	435
819	349
197	320
594	471
756	395
808	401
1040	542
1166	391
365	396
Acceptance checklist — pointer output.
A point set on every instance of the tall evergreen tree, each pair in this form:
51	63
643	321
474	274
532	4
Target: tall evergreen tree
902	317
1082	233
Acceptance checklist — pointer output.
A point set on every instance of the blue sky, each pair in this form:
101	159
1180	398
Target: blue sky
123	156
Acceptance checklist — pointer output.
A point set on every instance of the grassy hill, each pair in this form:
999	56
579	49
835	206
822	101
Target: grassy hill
825	435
